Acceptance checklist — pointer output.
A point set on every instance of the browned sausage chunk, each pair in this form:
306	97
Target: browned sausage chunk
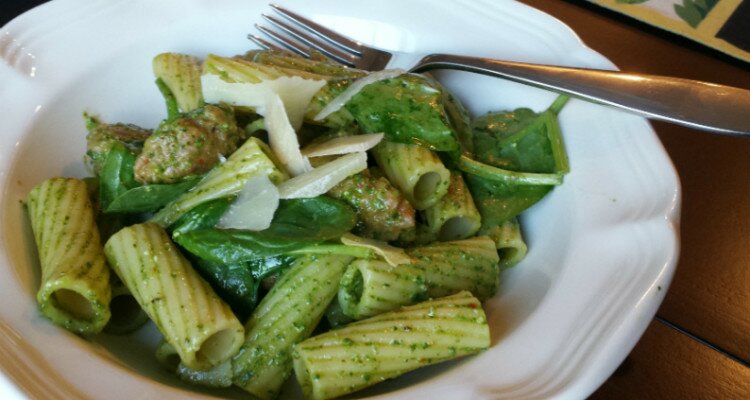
189	145
382	210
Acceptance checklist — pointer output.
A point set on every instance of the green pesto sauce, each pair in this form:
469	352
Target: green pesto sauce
407	109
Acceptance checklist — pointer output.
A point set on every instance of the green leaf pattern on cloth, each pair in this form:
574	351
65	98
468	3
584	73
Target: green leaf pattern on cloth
691	11
694	11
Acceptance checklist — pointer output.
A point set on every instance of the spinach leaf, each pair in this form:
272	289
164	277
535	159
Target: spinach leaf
313	219
459	118
119	192
237	283
515	140
234	283
298	223
230	246
408	109
116	176
150	197
519	157
173	110
263	268
499	202
203	216
235	262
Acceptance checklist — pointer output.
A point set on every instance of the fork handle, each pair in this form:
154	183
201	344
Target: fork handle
701	105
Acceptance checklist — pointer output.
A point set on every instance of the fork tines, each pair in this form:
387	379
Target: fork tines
301	34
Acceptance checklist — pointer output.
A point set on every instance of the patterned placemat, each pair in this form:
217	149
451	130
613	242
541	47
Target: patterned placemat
721	24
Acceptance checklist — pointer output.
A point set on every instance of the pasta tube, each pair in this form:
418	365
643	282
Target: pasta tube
455	216
469	264
415	170
287	315
370	287
182	75
509	242
192	318
364	353
75	291
253	158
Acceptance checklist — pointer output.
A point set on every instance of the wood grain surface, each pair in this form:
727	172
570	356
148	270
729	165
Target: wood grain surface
667	364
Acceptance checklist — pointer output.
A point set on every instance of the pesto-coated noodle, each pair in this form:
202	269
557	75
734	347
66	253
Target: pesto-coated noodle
75	291
193	319
366	352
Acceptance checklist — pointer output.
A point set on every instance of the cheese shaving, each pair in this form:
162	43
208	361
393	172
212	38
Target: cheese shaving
322	179
254	207
341	100
343	145
295	93
392	255
283	139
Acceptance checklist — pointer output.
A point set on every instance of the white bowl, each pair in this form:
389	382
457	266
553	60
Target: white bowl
602	247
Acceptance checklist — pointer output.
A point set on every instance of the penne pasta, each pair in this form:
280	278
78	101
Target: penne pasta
469	264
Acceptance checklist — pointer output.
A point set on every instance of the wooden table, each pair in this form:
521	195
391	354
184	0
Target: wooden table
698	347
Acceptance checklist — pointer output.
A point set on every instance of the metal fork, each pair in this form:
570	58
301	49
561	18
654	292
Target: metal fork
701	105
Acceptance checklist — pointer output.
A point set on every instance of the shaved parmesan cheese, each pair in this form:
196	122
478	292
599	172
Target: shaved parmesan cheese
254	207
283	139
322	179
343	145
295	93
392	255
355	88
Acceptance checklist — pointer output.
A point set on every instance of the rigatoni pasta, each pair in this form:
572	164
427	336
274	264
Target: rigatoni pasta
509	241
75	291
192	318
454	216
182	75
370	351
371	287
286	316
469	264
415	170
